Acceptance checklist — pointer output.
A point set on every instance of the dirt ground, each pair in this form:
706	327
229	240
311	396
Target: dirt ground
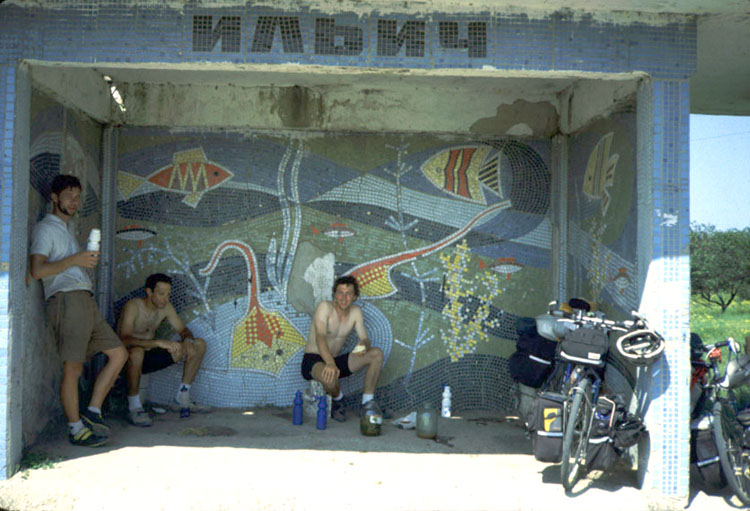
256	459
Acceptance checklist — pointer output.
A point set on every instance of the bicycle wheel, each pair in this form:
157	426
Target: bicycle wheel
576	435
735	464
640	347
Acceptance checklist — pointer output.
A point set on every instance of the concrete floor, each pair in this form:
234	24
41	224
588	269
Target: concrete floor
256	459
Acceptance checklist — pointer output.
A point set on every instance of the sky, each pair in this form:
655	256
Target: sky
720	171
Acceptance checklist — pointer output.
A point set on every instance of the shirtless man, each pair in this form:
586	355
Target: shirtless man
139	320
332	323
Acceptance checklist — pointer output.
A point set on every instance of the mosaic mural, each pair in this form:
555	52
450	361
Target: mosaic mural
254	227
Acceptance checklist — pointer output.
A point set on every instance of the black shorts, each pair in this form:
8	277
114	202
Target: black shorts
310	359
156	359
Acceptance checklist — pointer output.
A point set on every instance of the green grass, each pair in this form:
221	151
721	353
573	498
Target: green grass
712	325
36	461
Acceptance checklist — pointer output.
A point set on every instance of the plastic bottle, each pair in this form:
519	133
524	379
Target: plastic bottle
446	405
297	410
322	412
427	421
184	412
95	237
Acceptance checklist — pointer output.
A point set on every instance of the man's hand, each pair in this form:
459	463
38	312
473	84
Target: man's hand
330	373
174	348
86	258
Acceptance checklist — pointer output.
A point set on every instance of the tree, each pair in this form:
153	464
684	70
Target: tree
719	264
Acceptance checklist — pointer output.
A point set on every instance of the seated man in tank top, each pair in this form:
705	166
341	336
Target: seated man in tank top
139	319
332	323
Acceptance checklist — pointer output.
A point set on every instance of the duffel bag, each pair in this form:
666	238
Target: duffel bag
600	453
546	424
705	456
585	346
528	369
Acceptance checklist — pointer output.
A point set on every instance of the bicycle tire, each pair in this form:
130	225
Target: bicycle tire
640	347
575	437
735	465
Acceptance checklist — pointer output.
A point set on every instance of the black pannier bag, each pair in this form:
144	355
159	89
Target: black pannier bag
705	456
600	451
546	424
533	361
585	346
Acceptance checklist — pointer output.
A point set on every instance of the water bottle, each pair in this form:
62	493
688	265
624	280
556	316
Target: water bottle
371	419
446	405
184	412
95	237
297	410
322	412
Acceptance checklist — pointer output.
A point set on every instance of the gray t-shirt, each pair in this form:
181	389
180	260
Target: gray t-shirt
52	238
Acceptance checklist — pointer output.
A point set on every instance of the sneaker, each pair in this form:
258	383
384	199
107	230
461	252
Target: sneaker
95	422
338	413
87	438
192	406
139	417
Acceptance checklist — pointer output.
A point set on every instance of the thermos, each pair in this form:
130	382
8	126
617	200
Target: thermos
322	412
95	237
297	410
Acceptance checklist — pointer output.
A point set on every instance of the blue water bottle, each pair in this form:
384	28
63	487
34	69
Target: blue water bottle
322	412
297	410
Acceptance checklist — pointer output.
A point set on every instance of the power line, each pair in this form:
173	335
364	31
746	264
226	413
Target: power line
721	136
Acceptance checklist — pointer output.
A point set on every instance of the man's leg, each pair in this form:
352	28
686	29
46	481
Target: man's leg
135	367
136	413
373	360
195	351
69	389
116	358
333	388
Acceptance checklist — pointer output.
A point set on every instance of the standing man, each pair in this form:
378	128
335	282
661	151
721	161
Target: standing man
331	325
79	328
139	320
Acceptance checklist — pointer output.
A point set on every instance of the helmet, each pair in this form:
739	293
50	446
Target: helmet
738	372
640	347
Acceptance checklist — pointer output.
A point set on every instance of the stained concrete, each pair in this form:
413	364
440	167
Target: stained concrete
256	459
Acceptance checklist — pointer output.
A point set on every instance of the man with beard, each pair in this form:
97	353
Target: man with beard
80	330
139	320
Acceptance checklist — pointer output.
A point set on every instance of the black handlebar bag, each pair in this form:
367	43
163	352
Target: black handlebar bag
585	346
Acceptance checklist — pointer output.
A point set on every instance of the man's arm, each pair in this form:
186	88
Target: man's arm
359	327
177	323
40	267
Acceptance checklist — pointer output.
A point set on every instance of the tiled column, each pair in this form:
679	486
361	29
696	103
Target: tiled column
666	296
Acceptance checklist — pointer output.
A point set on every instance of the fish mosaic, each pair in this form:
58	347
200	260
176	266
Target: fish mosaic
135	233
465	171
506	266
600	172
374	277
190	174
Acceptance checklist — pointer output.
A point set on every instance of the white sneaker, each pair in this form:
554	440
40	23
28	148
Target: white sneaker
139	417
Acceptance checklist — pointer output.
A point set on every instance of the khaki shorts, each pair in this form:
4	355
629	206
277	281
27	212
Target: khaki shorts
78	325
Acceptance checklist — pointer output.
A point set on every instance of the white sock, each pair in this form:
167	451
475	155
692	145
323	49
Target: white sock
339	397
75	427
183	393
134	402
95	410
367	397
